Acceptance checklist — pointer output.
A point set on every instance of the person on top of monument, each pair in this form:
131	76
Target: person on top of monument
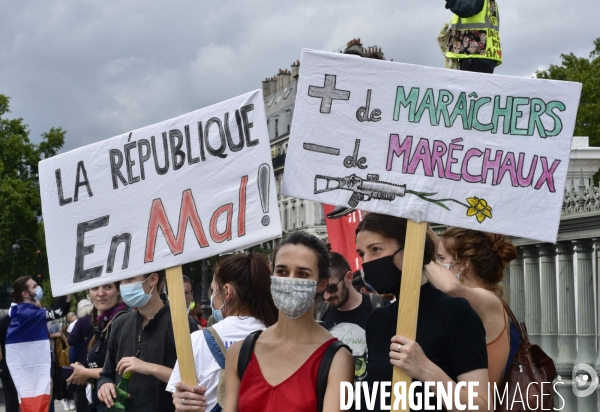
474	35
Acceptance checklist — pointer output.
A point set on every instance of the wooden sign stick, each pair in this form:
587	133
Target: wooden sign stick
181	327
410	290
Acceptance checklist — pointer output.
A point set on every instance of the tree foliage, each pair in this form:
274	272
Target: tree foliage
20	203
587	72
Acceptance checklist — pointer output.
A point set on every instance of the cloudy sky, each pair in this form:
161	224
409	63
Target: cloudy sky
102	68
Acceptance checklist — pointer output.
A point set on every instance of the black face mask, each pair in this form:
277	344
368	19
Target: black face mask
383	275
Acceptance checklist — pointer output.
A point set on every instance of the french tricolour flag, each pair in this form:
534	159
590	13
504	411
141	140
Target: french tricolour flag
28	356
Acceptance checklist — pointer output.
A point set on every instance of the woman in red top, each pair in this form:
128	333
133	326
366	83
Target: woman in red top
282	373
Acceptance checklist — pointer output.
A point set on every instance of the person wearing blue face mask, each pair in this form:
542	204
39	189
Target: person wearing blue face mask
142	342
26	314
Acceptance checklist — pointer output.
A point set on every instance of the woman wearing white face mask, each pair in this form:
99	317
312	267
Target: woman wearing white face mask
142	343
477	259
241	303
279	366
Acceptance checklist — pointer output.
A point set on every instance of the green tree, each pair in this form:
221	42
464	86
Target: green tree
20	203
586	72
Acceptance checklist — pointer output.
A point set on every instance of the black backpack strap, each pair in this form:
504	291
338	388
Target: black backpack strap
246	352
323	373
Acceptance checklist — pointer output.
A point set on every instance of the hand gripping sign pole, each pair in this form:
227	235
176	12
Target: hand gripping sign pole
181	327
410	289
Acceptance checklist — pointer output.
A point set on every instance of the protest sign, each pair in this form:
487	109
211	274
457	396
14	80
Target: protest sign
174	192
464	149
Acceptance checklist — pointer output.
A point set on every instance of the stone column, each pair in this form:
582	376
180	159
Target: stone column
517	288
567	343
597	248
597	365
586	325
533	306
549	300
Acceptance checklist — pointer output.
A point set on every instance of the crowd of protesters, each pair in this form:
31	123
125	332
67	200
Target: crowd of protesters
264	313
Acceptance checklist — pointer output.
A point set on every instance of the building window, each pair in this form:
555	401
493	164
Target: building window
285	218
276	127
288	119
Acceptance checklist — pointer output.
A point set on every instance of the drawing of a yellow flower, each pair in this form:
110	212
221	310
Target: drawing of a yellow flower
479	208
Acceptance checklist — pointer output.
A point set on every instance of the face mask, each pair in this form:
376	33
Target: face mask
449	265
39	294
217	313
133	294
383	275
293	297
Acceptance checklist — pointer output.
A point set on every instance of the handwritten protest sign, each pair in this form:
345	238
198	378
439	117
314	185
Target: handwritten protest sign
181	190
465	149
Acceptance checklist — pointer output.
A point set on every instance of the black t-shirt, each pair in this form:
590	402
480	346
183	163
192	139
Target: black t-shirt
349	326
448	330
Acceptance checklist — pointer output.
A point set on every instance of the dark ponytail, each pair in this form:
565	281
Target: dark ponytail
250	277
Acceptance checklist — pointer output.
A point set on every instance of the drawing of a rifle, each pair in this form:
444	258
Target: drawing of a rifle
363	190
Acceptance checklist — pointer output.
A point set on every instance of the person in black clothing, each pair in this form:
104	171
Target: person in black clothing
450	343
10	392
345	311
108	307
142	342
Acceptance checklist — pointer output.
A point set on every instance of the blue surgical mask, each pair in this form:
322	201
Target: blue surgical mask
39	293
217	313
133	294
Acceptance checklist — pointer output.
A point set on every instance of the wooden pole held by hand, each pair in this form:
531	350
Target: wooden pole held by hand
410	290
181	327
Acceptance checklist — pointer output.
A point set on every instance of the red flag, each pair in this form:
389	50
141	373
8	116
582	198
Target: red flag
341	233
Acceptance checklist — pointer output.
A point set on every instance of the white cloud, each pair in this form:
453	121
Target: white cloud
99	69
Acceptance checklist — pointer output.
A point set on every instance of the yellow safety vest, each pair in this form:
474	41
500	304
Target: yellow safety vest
466	40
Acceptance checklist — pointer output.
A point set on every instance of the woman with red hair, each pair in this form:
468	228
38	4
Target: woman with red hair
475	261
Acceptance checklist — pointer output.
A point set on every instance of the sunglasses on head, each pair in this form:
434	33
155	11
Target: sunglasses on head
333	288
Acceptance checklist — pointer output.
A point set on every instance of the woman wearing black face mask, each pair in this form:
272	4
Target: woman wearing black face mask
450	343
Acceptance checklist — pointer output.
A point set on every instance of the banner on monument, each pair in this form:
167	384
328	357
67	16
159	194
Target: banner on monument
478	151
171	193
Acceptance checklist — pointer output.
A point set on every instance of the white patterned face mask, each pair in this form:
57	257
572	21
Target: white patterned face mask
293	297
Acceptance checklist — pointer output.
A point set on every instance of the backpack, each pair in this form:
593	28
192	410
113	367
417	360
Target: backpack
217	348
322	375
321	308
530	365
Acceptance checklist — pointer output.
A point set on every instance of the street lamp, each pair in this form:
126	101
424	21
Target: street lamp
16	249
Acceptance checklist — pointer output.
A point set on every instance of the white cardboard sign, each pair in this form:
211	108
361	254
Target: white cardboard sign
171	193
478	151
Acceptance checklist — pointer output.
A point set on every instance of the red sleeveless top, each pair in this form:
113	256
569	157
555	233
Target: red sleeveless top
297	393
